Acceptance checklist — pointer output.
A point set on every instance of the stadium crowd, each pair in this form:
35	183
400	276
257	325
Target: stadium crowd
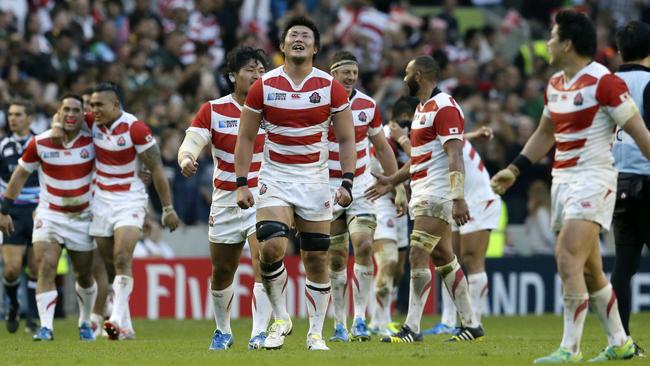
167	57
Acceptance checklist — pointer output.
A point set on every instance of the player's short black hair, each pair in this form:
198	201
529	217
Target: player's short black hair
633	41
108	87
578	28
428	66
27	105
242	55
406	105
342	55
73	96
304	21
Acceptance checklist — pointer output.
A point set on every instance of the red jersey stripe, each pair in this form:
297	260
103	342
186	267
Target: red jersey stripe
81	142
114	187
109	175
68	192
230	167
227	109
333	155
232	186
226	142
422	136
111	157
294	159
570	145
563	164
298	118
67	172
339	174
69	209
419	159
419	175
294	140
582	82
120	129
575	121
360	103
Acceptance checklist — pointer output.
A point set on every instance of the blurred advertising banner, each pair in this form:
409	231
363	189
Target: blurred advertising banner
530	285
180	288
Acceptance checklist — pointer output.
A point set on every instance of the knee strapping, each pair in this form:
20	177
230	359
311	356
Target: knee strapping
362	224
388	254
271	270
314	242
340	242
424	240
266	230
444	270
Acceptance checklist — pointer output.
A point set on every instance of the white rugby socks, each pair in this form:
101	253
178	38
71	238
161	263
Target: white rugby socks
222	301
420	286
46	303
339	281
364	276
318	297
261	309
86	300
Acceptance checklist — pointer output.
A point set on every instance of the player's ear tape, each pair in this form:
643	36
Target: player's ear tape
424	240
231	77
362	224
340	242
314	242
266	230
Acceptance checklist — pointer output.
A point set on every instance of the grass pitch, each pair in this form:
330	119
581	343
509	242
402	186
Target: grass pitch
509	341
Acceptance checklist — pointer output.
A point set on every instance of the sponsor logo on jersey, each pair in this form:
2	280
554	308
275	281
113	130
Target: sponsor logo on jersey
84	154
552	98
327	204
135	215
263	189
585	204
276	96
363	117
563	97
121	141
98	135
228	123
314	98
578	99
211	221
50	155
295	96
67	153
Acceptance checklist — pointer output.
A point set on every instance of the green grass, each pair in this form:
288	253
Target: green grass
509	341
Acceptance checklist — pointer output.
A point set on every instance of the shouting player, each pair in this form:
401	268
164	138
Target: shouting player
230	226
359	218
63	215
584	102
438	199
295	103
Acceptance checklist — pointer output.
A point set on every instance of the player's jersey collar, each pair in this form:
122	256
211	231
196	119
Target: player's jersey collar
302	83
584	70
633	67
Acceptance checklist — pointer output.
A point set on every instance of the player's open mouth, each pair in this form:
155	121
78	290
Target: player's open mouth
298	47
70	121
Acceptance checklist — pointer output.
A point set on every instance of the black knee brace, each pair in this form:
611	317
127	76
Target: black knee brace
270	270
266	230
314	242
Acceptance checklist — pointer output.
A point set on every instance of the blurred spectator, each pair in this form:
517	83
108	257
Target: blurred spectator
152	245
539	234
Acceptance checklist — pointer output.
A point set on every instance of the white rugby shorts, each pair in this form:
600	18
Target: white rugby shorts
590	201
310	201
69	230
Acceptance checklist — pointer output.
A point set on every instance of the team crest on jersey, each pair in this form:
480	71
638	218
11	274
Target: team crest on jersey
578	99
263	189
84	154
314	98
390	223
423	120
363	117
121	141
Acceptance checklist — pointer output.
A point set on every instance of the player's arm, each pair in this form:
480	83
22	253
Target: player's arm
636	128
344	132
16	183
454	150
189	152
536	148
249	126
483	132
153	162
384	184
384	153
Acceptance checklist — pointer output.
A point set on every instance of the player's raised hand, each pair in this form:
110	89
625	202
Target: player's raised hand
460	212
483	132
169	218
343	197
503	180
245	198
382	186
189	167
57	134
6	224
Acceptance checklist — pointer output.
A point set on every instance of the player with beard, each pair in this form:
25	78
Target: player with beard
437	184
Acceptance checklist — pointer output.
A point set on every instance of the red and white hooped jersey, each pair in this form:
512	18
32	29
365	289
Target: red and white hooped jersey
435	122
296	119
117	148
65	172
367	122
585	111
218	122
477	179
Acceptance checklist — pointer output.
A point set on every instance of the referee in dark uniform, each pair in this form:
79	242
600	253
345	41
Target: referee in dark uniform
14	247
631	215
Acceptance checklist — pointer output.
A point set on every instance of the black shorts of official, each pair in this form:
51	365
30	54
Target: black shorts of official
23	225
632	212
